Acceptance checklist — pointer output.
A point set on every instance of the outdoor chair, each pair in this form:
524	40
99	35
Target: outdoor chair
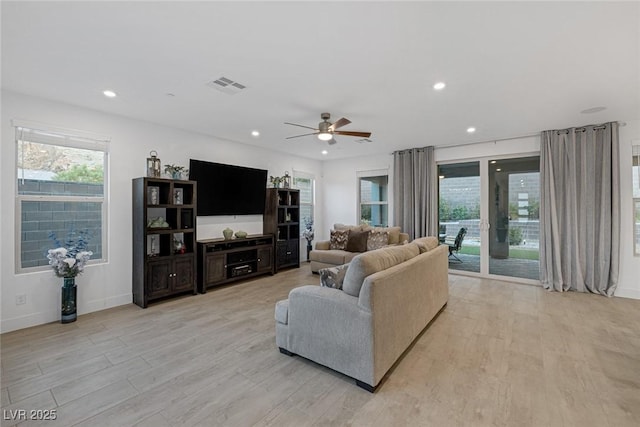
457	244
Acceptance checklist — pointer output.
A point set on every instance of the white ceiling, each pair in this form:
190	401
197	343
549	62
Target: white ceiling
511	69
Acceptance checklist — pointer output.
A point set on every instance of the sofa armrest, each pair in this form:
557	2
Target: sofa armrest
329	327
322	245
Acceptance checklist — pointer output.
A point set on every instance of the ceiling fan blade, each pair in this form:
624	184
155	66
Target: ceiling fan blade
350	133
338	124
298	136
302	126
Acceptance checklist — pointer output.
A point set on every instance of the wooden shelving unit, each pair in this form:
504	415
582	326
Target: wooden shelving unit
282	219
164	239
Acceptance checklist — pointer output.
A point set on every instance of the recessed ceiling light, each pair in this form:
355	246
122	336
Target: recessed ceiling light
325	152
498	170
493	162
471	129
255	133
593	110
109	94
439	86
441	176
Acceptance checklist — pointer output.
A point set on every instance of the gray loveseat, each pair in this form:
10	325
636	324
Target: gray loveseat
323	256
389	296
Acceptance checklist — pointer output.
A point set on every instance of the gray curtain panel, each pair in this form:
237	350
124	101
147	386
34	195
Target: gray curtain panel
415	192
580	209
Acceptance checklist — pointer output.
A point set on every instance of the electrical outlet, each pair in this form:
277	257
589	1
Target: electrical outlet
21	299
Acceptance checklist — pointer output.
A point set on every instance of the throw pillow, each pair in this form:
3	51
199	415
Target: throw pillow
357	241
377	239
333	277
426	243
338	239
394	234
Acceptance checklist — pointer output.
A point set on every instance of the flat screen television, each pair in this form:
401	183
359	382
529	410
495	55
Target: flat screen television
228	189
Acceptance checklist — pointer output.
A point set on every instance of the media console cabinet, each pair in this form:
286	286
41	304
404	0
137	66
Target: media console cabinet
223	261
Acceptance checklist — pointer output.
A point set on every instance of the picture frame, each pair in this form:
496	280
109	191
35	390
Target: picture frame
153	195
153	245
178	196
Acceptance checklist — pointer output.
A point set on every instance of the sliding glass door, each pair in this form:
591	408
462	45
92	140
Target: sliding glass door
459	214
489	216
514	204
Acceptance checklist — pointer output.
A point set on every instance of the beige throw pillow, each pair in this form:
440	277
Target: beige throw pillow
394	234
377	239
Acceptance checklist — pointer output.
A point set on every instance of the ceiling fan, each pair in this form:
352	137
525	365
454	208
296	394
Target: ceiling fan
326	130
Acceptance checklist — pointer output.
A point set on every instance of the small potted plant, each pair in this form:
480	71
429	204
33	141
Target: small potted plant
275	181
175	171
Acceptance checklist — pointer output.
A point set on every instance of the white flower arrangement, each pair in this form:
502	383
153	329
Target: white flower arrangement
69	261
308	232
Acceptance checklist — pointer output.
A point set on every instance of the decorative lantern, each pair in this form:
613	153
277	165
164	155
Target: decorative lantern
153	165
286	180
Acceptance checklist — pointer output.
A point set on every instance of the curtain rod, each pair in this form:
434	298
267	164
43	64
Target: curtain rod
526	135
494	140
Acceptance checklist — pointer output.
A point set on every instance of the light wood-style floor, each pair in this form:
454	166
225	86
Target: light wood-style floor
500	354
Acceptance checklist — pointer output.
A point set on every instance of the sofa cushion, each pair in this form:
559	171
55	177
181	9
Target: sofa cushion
426	243
368	263
335	257
357	241
282	311
377	239
339	239
333	277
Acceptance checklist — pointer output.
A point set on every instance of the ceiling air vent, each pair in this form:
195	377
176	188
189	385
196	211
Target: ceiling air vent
363	140
226	85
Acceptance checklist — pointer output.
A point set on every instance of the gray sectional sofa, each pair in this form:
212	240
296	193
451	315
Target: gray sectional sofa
388	297
323	256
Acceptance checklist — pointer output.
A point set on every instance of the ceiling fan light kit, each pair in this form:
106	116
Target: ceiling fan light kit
327	130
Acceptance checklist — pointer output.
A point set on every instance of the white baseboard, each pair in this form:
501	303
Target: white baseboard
627	293
29	320
103	304
41	318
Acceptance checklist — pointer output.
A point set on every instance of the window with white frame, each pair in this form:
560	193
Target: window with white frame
60	188
373	202
305	182
636	198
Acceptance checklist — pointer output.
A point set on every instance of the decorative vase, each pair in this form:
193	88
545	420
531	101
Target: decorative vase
309	247
227	233
69	298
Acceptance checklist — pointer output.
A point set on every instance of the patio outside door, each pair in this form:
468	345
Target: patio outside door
497	202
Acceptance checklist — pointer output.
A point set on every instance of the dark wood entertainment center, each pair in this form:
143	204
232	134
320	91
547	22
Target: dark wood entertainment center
223	261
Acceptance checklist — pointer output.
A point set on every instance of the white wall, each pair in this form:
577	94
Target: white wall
108	285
